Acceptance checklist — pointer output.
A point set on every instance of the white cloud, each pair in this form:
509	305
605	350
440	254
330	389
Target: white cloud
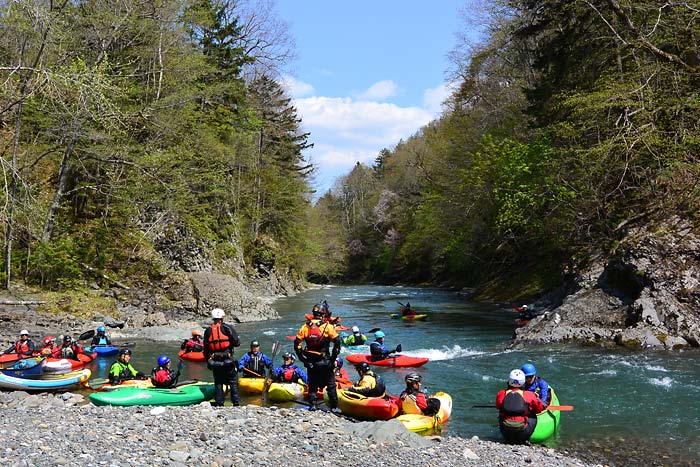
380	91
434	97
297	88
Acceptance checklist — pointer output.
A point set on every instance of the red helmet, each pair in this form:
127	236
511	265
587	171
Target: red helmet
48	340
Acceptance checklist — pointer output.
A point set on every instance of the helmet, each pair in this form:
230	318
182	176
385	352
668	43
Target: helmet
524	307
48	340
288	355
317	311
67	338
413	377
339	362
124	352
217	313
101	329
379	334
196	332
362	367
529	369
254	343
24	332
163	360
355	330
516	378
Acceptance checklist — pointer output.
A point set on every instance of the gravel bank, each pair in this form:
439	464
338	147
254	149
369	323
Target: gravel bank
57	430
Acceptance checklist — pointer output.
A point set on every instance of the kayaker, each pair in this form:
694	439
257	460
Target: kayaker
24	347
524	313
289	372
535	384
219	341
312	346
100	338
356	338
49	349
253	363
122	370
162	376
194	343
340	374
70	348
407	310
518	409
378	348
370	384
413	400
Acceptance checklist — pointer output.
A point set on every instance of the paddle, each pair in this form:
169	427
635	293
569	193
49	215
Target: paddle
373	330
266	386
562	408
290	338
252	372
87	335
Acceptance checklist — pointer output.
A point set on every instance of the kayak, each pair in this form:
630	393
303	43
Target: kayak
187	394
192	356
424	423
10	357
340	383
102	350
367	408
23	368
408	317
547	422
250	385
46	382
64	365
129	383
397	361
283	392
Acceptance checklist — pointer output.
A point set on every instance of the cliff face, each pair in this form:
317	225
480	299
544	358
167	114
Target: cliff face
645	294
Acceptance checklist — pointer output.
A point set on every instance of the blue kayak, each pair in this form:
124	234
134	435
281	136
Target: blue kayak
47	381
24	367
103	350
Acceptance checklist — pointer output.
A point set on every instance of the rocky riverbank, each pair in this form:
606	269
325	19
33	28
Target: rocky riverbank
55	430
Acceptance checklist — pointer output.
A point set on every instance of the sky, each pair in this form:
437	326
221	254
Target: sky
368	74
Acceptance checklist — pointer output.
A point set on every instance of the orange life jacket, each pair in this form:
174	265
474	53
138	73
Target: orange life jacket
218	341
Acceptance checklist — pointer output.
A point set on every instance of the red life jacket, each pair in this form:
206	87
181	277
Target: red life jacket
162	376
288	373
218	341
22	347
314	338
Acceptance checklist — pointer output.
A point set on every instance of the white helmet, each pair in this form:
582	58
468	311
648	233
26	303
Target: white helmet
23	332
516	378
524	307
217	313
355	330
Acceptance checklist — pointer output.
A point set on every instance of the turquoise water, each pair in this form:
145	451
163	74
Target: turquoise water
634	408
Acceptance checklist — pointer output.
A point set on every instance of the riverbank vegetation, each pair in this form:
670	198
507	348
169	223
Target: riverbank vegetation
569	122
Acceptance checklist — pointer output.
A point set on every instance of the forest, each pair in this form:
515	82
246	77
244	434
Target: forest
142	136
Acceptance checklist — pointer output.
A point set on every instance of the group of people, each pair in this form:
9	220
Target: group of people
377	349
527	395
69	347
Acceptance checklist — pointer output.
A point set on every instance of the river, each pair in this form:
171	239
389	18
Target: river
632	408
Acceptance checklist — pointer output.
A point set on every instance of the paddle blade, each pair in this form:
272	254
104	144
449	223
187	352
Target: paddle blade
87	335
563	408
373	330
398	348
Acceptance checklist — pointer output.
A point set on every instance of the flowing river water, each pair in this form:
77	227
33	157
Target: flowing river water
631	408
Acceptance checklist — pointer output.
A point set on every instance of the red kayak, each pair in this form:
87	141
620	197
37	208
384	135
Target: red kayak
192	356
397	361
65	365
11	357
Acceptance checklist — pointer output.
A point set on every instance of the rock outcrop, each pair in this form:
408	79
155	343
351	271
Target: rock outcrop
645	294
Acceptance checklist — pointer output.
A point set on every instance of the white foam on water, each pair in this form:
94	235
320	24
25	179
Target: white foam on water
446	353
606	373
665	382
269	332
656	368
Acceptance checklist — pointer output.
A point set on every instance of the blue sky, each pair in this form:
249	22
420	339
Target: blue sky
368	73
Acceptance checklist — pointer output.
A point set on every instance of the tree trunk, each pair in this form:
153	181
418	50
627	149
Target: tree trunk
13	190
60	188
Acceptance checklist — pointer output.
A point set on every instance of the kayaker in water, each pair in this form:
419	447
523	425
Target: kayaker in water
162	376
340	374
406	310
70	348
122	370
312	346
100	338
378	348
356	338
49	349
536	384
518	409
370	384
253	363
289	372
194	343
413	400
219	341
24	347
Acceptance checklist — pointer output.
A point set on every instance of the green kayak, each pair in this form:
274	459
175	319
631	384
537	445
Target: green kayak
547	422
187	394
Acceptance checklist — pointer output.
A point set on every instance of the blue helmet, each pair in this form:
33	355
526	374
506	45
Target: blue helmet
379	334
163	360
101	329
529	369
339	361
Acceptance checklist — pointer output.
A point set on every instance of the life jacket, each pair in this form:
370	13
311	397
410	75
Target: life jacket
288	373
355	339
218	340
102	339
255	363
22	346
193	345
514	410
379	389
314	338
409	404
67	352
162	377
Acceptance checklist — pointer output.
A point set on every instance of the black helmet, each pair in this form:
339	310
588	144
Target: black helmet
317	311
288	355
67	338
413	378
362	367
124	352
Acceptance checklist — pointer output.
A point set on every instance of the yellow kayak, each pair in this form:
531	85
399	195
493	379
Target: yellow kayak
129	383
283	392
250	385
424	423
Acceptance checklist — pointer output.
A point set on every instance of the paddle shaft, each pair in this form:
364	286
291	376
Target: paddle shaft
561	408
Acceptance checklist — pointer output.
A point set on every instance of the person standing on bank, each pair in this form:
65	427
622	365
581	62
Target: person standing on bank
219	341
312	346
